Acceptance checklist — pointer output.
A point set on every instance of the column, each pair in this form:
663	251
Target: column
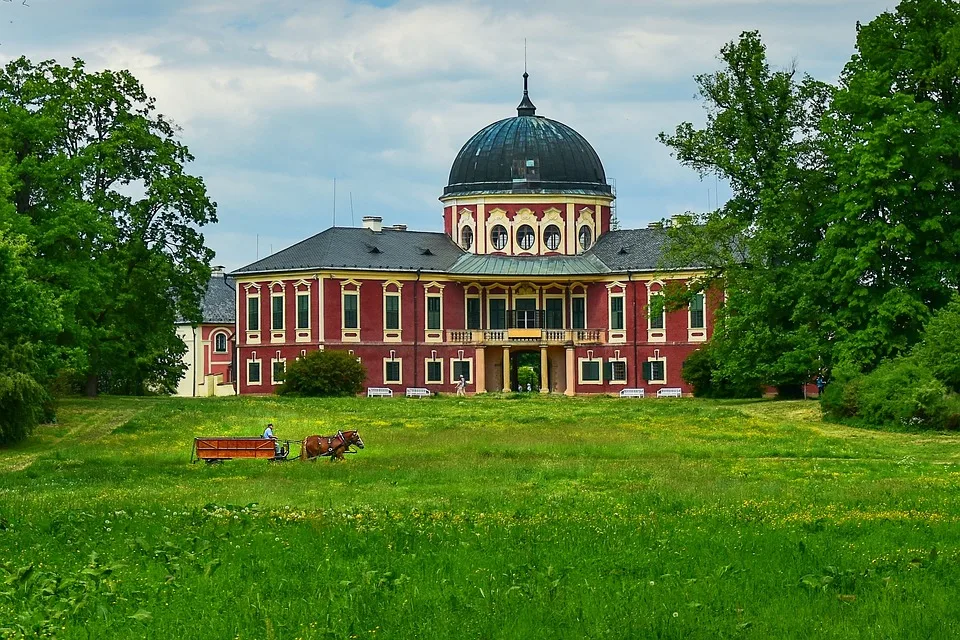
571	374
506	369
544	371
480	375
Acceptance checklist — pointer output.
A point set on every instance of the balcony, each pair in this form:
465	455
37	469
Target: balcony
527	336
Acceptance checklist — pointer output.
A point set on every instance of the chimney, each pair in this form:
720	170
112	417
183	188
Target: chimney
399	227
374	223
217	270
655	225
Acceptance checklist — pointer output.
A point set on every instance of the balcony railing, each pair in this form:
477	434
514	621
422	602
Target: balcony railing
521	335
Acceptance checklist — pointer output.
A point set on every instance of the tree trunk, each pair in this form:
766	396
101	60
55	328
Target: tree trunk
92	384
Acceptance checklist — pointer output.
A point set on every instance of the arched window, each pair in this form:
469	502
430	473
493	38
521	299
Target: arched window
551	237
466	238
526	237
586	237
498	237
220	343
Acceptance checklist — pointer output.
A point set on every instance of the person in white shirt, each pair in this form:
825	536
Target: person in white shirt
268	432
461	387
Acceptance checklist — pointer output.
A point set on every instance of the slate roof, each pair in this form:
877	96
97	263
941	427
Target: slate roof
529	266
219	301
359	248
393	250
633	250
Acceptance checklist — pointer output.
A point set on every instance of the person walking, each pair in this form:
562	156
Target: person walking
821	383
461	387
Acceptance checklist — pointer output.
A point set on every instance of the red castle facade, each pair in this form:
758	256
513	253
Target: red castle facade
527	264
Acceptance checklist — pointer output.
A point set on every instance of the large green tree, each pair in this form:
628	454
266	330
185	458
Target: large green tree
890	253
101	194
762	137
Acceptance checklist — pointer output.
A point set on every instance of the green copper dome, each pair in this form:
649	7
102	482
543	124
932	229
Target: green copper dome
527	154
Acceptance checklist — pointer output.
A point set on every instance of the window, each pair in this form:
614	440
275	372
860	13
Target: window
586	237
253	313
696	312
434	371
277	311
473	313
391	311
526	237
616	370
279	367
551	237
391	371
589	371
498	313
433	313
350	317
253	371
579	312
554	319
462	368
303	311
220	343
466	238
656	311
655	371
498	237
616	312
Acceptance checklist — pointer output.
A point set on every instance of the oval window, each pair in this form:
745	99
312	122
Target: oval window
525	237
586	237
498	237
466	238
551	237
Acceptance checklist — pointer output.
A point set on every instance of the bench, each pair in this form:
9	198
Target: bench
631	393
379	392
418	392
670	392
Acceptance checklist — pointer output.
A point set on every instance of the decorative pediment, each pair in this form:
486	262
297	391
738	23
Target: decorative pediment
524	290
433	285
552	216
525	216
497	216
349	285
392	286
278	283
616	285
252	285
301	283
585	217
466	217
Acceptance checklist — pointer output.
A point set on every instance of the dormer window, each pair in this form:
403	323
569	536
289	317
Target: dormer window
466	238
586	237
526	237
498	237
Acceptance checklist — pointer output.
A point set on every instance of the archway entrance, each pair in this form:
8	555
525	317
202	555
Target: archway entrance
525	370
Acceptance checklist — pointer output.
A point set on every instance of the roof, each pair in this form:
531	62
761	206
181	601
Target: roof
219	302
360	248
633	250
527	154
528	266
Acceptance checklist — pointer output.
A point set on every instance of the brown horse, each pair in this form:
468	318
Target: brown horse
335	446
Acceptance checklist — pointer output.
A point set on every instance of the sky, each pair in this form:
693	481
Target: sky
278	99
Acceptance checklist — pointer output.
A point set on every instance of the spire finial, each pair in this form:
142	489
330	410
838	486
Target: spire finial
526	107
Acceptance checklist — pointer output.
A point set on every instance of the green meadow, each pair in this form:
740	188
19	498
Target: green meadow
512	517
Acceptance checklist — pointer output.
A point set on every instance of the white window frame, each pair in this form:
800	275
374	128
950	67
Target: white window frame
303	294
426	311
663	315
393	294
658	358
466	309
543	234
426	370
273	362
590	358
573	296
626	370
623	311
697	334
283	311
343	309
253	359
399	362
455	379
256	297
226	342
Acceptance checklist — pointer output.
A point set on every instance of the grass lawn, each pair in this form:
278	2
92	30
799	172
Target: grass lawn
523	517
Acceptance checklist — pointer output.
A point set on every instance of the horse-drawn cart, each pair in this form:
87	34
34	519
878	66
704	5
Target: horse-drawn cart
217	449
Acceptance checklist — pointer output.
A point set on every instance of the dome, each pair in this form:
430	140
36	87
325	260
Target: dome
527	154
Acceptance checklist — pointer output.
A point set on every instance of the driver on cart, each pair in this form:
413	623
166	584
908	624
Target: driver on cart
279	451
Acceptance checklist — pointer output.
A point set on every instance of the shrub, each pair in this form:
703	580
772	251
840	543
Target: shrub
701	372
939	350
324	373
23	405
528	375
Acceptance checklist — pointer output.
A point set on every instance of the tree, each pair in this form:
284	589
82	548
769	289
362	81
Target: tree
890	252
101	193
762	137
324	373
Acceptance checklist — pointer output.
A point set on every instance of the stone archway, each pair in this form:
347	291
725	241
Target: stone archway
525	369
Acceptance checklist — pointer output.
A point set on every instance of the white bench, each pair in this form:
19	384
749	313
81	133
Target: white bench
670	392
631	393
379	392
418	392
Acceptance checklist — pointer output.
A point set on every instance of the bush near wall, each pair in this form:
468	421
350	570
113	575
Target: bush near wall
324	373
